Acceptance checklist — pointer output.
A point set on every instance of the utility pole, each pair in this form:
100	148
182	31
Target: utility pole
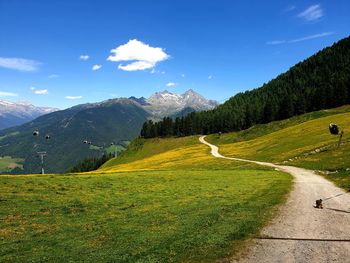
340	137
42	155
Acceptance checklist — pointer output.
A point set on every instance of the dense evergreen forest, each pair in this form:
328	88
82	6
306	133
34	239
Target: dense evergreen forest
319	82
91	164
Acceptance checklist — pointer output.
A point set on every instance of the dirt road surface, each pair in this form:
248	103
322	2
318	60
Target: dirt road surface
300	232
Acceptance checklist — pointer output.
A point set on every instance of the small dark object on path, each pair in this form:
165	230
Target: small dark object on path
319	204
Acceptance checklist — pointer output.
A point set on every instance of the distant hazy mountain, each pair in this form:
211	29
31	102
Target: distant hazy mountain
99	124
167	103
142	101
103	123
17	113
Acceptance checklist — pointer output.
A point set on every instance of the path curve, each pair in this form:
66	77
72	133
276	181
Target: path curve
301	233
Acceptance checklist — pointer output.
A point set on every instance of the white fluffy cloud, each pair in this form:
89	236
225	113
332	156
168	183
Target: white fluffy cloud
137	65
20	64
8	94
170	84
73	97
41	91
96	67
312	13
139	55
84	57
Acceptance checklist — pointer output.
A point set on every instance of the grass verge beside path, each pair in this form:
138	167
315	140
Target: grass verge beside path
302	141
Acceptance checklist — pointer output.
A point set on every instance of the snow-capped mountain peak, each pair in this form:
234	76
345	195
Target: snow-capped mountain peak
167	103
16	113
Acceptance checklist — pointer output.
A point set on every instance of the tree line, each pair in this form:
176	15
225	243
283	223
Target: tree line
91	164
319	82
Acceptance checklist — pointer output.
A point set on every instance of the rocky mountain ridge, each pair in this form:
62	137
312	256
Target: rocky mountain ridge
17	113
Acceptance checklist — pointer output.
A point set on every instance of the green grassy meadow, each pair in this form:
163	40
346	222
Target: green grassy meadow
167	199
162	200
150	216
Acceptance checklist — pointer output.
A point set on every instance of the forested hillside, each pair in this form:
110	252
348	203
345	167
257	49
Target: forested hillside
319	82
98	124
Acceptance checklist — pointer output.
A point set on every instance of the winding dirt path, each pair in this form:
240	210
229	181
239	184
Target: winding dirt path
301	233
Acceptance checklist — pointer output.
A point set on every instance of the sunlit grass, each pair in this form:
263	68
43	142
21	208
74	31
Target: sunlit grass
289	142
308	144
153	216
195	157
166	200
163	200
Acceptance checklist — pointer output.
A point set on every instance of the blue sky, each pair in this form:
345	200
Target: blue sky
48	49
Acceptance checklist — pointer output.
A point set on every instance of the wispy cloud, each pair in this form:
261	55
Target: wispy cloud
210	77
278	42
311	37
32	88
170	84
182	75
53	76
41	91
275	42
312	13
154	71
289	8
139	55
8	94
84	57
73	97
96	67
20	64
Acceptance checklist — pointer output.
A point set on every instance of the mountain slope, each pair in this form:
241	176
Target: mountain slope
302	141
17	113
103	123
319	82
100	124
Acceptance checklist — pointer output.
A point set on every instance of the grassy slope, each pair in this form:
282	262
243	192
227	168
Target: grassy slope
163	200
7	163
166	199
307	144
167	154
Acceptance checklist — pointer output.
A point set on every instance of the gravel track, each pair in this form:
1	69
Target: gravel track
300	232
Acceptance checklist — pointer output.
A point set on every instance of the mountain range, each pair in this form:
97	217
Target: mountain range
17	113
88	130
167	103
